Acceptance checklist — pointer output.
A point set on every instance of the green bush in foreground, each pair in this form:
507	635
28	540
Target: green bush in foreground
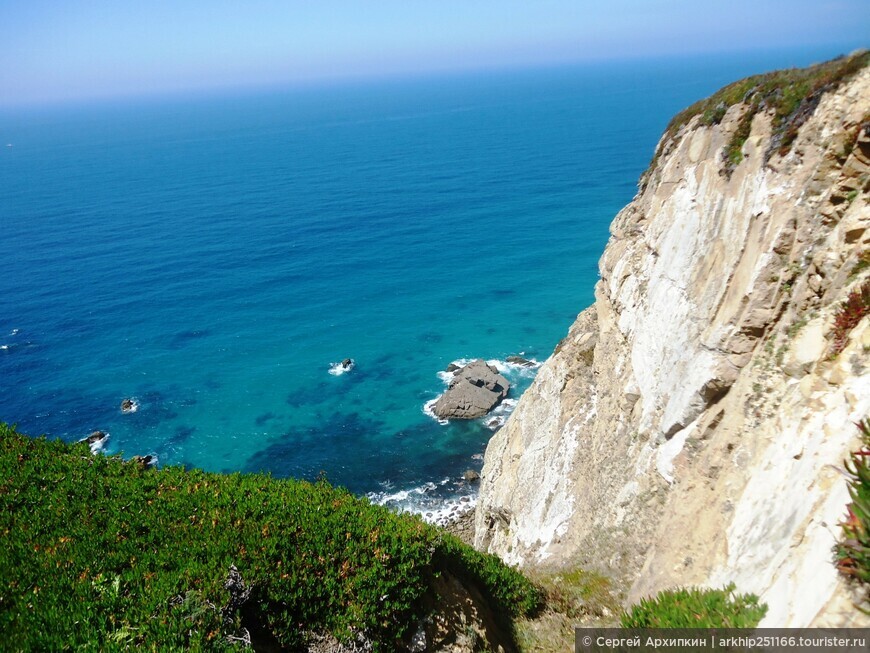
696	608
853	550
100	553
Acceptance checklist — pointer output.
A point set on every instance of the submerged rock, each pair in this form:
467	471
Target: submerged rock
474	390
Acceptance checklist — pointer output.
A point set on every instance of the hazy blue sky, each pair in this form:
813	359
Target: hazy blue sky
53	50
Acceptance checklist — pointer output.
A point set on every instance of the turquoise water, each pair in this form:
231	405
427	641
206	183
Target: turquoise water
212	257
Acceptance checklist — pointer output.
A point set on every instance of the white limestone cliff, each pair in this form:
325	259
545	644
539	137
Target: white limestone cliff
691	427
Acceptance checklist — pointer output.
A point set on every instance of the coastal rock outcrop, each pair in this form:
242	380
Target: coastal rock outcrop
471	476
96	441
474	390
699	395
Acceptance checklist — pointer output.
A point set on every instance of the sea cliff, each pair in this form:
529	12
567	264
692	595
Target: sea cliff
691	427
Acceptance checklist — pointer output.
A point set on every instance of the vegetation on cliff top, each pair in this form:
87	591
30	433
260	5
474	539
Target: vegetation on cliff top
791	95
101	553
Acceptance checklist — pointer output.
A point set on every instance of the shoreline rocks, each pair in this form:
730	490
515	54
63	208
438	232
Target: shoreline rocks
96	437
144	461
473	391
462	526
471	476
96	440
522	362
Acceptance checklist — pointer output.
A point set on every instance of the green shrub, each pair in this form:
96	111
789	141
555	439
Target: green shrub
853	550
508	592
100	553
734	151
861	264
696	608
791	95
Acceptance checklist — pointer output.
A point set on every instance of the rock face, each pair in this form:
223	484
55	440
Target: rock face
474	390
689	428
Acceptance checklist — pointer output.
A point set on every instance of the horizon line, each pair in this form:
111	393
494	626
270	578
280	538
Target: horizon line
351	78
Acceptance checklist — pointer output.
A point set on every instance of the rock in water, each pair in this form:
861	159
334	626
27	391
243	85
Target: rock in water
128	406
471	476
96	436
519	360
474	390
144	461
96	440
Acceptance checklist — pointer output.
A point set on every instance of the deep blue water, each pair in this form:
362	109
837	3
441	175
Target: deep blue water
212	257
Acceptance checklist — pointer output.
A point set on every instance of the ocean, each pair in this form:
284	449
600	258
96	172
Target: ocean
212	257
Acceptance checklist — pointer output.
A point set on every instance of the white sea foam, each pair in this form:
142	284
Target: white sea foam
509	369
337	369
14	332
4	347
427	410
506	406
436	502
98	445
499	415
504	367
445	376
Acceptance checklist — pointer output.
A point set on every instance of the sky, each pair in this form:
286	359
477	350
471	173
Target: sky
58	50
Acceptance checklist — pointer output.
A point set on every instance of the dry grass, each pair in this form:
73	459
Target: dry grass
572	598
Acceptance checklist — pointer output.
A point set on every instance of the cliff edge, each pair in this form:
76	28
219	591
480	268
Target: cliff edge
692	426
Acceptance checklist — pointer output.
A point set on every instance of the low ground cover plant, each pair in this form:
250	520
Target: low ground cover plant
853	550
791	96
696	608
101	553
